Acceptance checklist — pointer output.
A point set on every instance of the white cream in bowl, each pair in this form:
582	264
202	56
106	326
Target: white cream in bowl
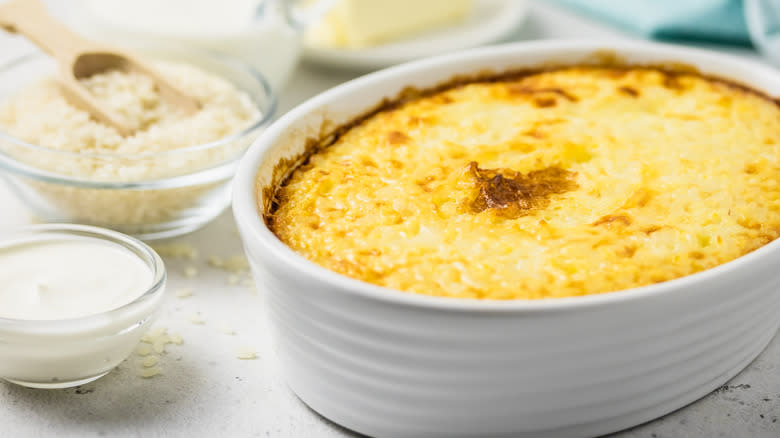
74	302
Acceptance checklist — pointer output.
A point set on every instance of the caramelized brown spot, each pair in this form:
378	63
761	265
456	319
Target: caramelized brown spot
396	164
658	278
765	238
367	162
518	89
544	102
616	73
672	81
749	223
397	137
698	255
639	198
610	219
751	169
425	183
443	99
513	194
628	251
535	133
416	122
628	91
652	229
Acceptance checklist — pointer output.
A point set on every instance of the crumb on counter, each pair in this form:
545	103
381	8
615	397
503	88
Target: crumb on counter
190	271
235	264
226	329
196	318
185	292
246	353
148	373
144	350
248	282
154	341
177	250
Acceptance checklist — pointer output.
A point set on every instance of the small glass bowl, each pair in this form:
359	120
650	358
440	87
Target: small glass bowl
70	352
179	191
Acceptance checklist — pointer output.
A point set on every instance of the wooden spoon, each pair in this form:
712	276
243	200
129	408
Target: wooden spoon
80	58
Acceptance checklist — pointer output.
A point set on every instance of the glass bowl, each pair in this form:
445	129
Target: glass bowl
149	195
63	353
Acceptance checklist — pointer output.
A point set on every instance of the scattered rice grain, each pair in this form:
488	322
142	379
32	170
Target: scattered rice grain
183	292
195	318
247	353
177	251
148	373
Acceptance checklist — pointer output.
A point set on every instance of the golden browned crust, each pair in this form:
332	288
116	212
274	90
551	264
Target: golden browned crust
559	182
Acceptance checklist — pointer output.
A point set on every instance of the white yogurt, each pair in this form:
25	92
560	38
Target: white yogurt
71	278
74	302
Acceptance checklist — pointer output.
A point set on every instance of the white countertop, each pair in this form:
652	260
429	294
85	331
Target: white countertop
205	390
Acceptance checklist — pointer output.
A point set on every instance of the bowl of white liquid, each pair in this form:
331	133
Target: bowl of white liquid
74	302
264	33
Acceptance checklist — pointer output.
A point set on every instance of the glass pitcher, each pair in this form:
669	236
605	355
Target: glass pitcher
263	33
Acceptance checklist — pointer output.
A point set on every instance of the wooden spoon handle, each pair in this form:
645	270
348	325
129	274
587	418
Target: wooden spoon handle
31	19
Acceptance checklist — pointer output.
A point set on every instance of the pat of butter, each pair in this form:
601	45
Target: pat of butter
364	23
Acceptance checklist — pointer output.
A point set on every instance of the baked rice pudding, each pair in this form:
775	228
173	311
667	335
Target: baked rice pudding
566	182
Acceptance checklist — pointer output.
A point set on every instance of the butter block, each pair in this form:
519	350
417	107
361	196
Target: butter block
365	23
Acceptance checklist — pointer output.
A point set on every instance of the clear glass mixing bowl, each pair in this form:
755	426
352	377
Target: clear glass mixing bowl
179	191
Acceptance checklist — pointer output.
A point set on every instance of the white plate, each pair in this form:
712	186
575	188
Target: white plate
490	21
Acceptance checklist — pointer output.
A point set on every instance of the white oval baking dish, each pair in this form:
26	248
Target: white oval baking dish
390	364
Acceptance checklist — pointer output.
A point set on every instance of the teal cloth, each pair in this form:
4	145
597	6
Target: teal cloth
717	21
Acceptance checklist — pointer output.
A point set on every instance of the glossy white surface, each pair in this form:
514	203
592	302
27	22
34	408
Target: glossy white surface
68	278
390	364
205	391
